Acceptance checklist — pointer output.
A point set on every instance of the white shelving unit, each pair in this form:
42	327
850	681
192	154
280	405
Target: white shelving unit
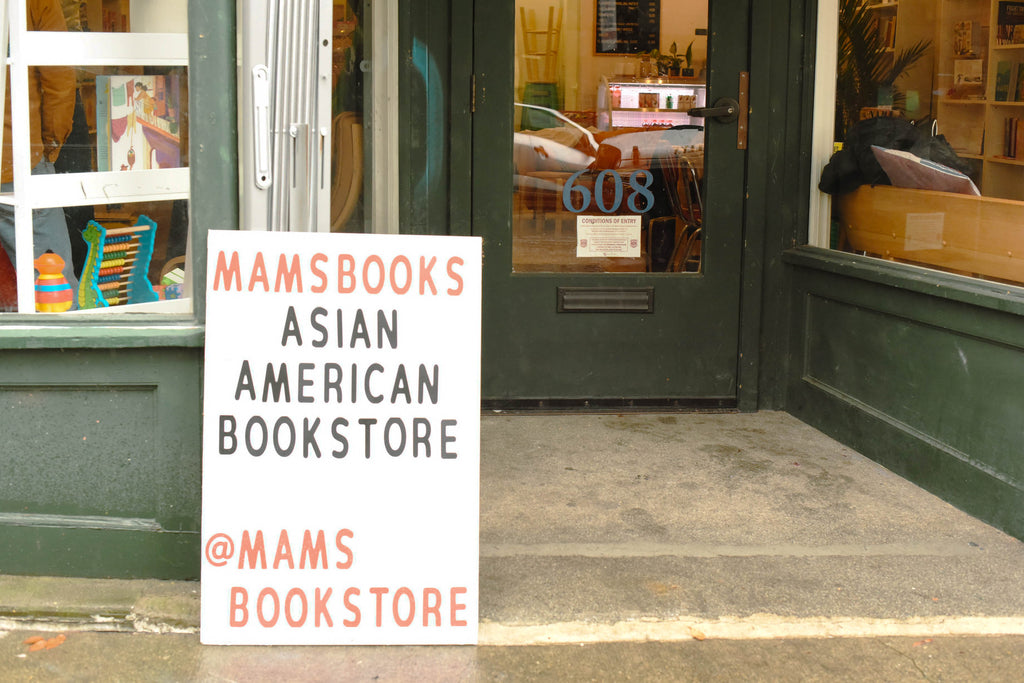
975	127
78	49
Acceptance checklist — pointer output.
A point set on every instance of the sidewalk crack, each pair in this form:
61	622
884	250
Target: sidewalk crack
907	657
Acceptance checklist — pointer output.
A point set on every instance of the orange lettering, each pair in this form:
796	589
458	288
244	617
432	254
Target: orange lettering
375	260
344	533
356	616
320	275
412	607
284	551
346	271
227	273
408	275
431	606
239	597
457	607
457	290
291	276
253	551
259	273
425	277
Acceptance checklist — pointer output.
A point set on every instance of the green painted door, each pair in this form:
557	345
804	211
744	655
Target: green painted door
612	219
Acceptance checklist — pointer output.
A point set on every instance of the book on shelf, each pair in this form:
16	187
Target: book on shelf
1013	138
1009	81
968	79
138	122
963	38
1010	23
886	27
1004	75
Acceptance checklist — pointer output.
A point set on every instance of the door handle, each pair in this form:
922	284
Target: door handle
726	110
261	125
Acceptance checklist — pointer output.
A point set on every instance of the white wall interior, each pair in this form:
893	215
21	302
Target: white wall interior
159	16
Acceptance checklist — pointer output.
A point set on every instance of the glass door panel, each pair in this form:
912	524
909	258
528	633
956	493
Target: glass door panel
612	218
608	164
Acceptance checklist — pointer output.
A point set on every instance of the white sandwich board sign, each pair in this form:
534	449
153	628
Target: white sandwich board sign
341	439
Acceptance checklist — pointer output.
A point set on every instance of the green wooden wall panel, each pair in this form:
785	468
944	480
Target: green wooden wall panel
960	390
924	462
100	553
79	450
100	444
928	385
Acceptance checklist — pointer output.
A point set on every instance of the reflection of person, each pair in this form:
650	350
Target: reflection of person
51	108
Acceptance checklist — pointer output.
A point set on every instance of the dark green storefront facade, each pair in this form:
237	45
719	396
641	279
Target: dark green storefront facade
100	461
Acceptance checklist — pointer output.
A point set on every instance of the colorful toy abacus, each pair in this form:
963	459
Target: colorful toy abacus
116	270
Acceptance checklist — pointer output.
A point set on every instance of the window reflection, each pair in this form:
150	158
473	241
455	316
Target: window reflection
347	197
123	119
608	165
928	96
90	131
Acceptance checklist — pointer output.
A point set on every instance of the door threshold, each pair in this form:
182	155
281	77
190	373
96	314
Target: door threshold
608	405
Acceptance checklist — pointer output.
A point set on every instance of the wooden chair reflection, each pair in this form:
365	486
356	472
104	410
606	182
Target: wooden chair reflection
346	167
682	182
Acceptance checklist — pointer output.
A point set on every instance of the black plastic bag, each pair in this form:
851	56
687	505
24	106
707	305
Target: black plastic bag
855	164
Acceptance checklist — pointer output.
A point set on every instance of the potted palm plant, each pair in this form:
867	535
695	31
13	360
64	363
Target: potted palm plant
868	69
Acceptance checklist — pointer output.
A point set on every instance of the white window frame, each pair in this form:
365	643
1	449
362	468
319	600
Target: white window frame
259	208
41	48
823	127
384	78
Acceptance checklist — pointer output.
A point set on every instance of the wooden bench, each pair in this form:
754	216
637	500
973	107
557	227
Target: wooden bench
979	236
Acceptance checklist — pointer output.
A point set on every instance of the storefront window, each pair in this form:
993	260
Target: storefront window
306	97
609	165
918	152
348	62
94	206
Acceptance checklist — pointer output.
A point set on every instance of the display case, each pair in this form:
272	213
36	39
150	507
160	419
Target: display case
131	40
635	103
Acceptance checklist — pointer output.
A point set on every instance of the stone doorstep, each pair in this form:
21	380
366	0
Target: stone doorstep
56	603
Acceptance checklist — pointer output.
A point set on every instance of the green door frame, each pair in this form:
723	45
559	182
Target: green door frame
781	97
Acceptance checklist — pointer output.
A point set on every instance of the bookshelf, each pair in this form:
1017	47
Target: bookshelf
885	15
114	39
900	24
975	121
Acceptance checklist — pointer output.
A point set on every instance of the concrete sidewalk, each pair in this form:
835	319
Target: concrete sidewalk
625	529
734	525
